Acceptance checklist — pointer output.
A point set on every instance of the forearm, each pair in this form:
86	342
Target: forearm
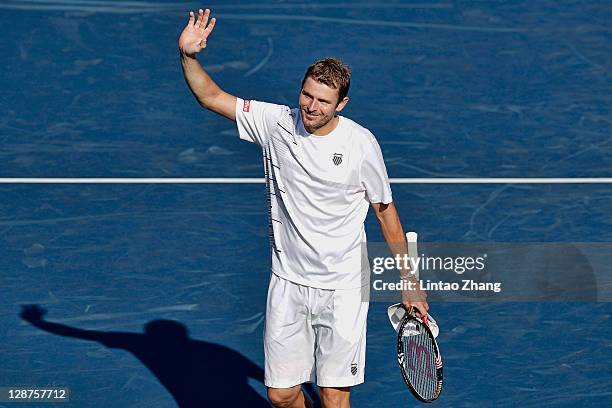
392	230
203	88
393	233
63	330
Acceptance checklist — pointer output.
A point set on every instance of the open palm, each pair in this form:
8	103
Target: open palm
193	38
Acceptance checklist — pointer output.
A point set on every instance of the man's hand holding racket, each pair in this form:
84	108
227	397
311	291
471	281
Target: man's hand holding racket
418	354
415	297
194	36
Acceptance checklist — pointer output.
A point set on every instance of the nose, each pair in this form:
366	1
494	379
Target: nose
313	105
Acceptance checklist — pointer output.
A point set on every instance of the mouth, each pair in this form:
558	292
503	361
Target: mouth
310	116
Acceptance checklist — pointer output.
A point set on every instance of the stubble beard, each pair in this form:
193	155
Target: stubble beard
324	120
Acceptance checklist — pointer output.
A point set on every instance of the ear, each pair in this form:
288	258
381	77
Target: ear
342	104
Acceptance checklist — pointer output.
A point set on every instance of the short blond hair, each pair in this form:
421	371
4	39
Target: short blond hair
331	72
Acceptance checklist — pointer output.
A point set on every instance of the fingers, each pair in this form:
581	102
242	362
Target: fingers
203	26
421	307
199	20
210	27
205	18
191	18
202	19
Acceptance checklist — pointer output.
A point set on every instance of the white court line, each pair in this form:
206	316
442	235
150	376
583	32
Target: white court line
521	180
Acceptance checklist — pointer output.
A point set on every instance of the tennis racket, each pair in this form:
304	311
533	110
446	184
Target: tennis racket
419	357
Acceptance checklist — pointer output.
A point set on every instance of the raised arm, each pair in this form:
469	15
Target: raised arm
34	315
206	91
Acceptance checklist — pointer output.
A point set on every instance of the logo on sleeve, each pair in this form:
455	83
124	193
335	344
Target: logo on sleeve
246	106
337	159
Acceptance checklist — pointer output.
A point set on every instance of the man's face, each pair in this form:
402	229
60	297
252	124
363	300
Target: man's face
318	104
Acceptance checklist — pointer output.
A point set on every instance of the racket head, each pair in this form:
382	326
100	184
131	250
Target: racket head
419	358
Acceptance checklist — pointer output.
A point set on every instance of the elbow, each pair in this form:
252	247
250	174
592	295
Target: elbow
207	101
202	103
383	211
387	215
383	221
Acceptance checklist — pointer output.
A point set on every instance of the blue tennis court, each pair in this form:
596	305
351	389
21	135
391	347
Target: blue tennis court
155	293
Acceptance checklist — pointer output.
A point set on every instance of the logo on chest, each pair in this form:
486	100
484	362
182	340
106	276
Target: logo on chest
337	159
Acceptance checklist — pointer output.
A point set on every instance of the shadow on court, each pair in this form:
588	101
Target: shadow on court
197	373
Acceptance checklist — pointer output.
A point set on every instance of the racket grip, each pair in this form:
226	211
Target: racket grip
413	252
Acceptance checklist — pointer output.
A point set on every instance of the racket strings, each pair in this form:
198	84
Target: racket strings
420	364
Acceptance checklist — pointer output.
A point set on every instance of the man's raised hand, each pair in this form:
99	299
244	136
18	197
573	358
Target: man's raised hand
194	36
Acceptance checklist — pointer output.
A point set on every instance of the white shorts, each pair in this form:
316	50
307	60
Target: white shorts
314	335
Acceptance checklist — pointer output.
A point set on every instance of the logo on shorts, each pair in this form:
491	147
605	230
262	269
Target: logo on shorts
354	369
246	106
337	159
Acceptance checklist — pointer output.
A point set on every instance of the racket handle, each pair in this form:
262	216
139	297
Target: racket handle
413	252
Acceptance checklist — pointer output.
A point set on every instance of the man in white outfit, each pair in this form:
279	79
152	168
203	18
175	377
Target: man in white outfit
322	172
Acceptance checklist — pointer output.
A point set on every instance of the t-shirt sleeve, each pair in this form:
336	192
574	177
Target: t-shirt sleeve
255	120
373	174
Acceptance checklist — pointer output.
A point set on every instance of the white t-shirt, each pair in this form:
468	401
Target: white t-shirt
319	190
